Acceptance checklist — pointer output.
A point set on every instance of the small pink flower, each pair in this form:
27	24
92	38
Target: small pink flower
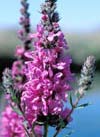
21	34
44	17
38	34
51	38
65	115
38	131
60	65
19	51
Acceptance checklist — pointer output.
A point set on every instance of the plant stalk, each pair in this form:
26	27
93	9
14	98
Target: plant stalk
45	130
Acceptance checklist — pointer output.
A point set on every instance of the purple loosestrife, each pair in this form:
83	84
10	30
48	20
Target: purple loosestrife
47	72
11	124
13	79
87	73
23	34
39	83
25	23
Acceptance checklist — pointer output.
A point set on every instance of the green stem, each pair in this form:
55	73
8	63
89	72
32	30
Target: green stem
33	132
57	132
45	130
26	131
74	105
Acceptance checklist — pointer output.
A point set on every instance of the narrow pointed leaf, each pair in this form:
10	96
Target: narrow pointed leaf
83	105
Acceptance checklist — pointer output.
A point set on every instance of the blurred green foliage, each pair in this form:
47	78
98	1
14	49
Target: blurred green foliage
84	44
80	44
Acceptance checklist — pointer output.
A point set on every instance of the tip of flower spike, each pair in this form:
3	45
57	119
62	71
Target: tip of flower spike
7	80
50	0
87	72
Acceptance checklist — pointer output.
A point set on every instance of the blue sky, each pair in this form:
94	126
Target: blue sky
76	15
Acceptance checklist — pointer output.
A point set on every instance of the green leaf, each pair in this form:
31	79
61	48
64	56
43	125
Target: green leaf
83	105
17	110
61	123
14	99
1	90
13	96
78	94
70	98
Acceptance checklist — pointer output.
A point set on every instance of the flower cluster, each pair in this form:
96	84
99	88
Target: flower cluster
23	35
48	74
18	74
11	124
47	83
